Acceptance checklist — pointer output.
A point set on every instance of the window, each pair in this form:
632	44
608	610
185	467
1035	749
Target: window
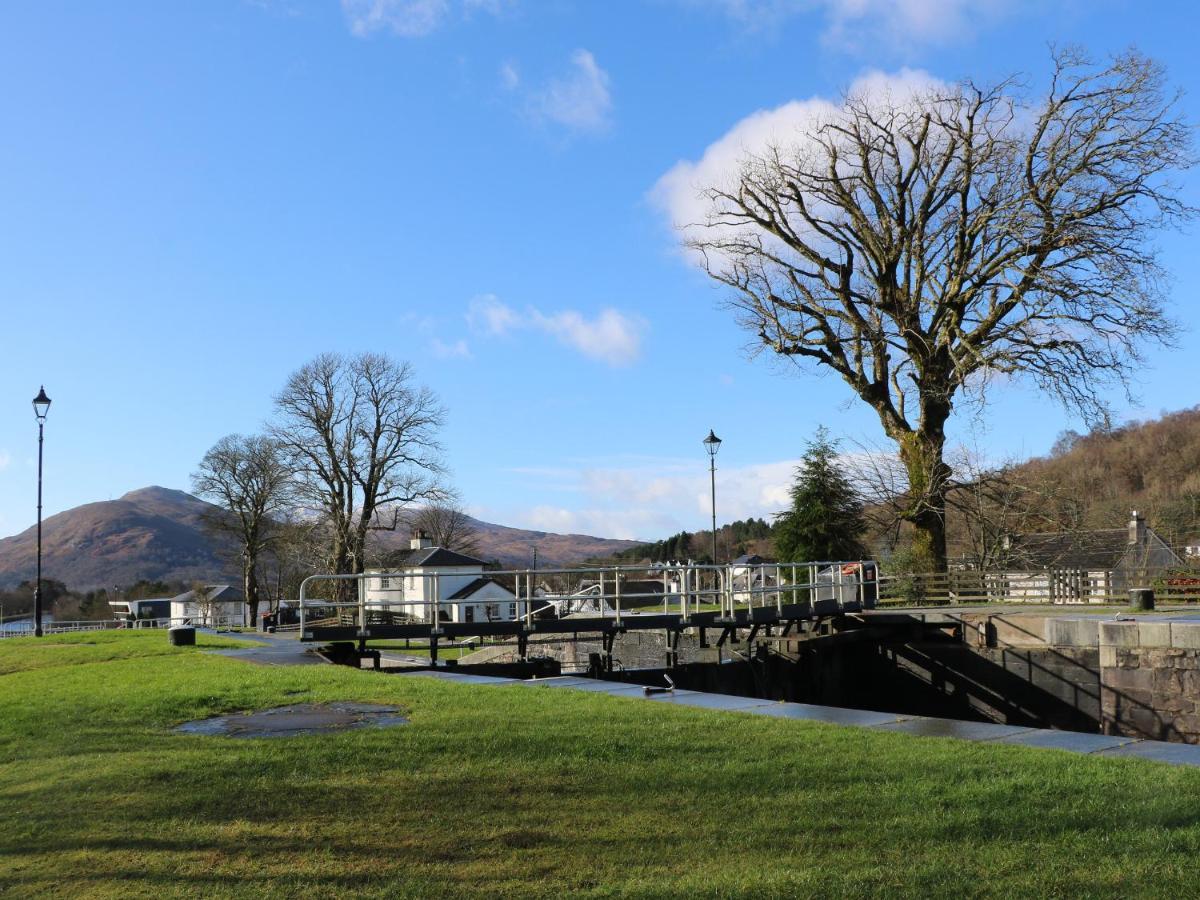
385	583
468	613
492	611
512	610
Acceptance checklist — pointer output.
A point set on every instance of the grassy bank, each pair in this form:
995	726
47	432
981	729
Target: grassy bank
508	790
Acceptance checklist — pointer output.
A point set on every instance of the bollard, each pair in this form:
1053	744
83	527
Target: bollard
1141	599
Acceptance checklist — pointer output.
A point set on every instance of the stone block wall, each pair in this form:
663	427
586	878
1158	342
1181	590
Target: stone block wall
1150	679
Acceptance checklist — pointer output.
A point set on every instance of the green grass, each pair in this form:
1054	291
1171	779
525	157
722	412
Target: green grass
527	791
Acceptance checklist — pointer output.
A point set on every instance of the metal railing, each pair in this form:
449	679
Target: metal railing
609	592
24	628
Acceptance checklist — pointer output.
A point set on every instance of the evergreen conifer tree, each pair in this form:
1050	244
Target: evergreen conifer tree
825	521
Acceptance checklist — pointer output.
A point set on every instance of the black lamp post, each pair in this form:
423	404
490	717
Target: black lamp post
712	444
41	406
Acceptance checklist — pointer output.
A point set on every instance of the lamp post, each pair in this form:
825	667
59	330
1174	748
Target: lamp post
41	406
712	444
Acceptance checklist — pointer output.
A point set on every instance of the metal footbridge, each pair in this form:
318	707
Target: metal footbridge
605	601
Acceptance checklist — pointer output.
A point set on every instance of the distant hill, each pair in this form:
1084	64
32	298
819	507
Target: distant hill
1096	479
156	533
153	533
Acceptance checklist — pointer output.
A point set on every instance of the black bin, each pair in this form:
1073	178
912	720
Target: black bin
182	636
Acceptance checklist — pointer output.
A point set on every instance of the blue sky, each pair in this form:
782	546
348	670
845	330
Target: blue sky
199	196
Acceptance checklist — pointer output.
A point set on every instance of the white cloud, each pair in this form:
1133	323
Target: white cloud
411	18
650	498
859	24
488	315
453	350
407	18
655	498
610	336
579	101
510	78
679	192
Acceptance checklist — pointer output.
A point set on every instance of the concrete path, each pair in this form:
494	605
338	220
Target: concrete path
271	650
922	726
284	650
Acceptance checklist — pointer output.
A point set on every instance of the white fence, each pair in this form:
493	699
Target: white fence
24	627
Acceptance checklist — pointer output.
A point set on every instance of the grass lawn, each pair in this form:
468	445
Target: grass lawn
525	791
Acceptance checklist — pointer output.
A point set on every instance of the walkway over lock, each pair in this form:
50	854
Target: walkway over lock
758	596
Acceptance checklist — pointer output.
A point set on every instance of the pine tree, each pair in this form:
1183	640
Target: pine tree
825	521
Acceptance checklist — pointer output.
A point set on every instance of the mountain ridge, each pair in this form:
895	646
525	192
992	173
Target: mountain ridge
157	533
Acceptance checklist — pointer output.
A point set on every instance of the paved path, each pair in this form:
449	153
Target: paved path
923	726
271	650
282	650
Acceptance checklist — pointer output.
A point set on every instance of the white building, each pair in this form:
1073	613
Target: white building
1097	566
218	604
452	582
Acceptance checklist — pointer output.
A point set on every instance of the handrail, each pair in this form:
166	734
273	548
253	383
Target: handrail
601	591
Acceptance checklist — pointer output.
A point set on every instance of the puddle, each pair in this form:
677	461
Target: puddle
301	718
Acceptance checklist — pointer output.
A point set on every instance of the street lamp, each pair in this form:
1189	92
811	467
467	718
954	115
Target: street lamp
41	406
712	444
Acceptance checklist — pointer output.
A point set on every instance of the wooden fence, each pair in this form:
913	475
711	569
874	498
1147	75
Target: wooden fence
1054	586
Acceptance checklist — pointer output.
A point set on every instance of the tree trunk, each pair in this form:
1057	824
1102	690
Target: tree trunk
250	587
921	452
344	591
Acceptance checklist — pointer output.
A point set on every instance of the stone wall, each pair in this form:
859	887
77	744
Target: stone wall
1150	679
1135	676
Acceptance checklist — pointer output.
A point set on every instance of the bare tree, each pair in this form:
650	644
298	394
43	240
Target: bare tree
362	439
923	247
295	553
988	506
449	526
208	607
248	478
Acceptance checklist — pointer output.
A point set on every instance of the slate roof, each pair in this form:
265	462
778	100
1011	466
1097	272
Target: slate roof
221	593
747	559
467	590
436	556
1096	550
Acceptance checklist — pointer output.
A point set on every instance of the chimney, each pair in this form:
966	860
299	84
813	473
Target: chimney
1137	528
420	540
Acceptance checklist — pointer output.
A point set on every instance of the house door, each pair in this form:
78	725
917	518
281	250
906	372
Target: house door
469	613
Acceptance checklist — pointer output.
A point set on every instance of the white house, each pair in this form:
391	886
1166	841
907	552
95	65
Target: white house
452	582
1082	567
219	604
749	575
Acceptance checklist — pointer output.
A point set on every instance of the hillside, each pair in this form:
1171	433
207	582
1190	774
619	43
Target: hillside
153	533
156	533
1091	481
1153	466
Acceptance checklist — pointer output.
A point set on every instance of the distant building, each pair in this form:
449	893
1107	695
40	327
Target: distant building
1084	566
152	609
749	576
453	583
217	604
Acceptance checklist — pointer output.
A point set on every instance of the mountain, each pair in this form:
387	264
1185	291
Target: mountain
154	533
157	533
514	546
